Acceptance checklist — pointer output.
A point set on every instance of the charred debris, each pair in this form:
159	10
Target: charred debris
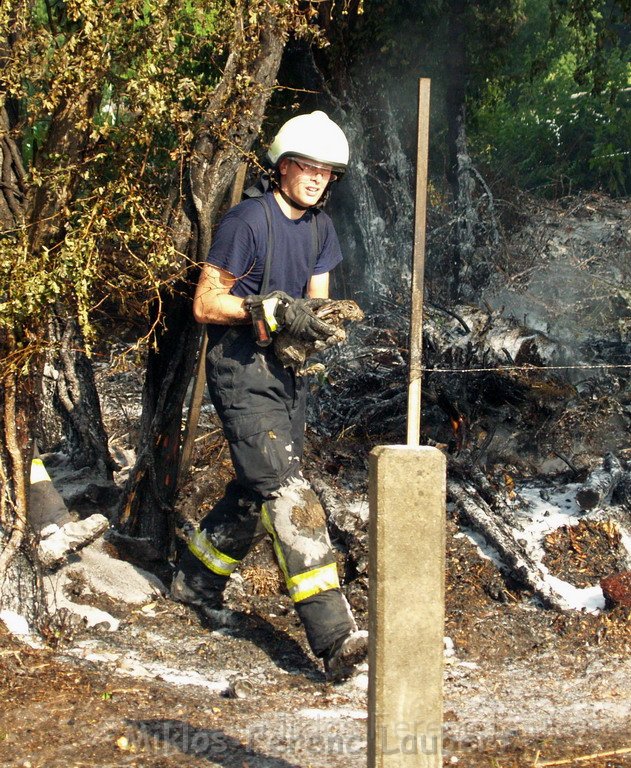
526	388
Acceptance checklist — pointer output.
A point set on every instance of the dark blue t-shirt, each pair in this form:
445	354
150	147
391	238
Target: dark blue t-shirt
240	246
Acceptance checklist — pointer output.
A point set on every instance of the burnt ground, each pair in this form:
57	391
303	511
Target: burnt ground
523	685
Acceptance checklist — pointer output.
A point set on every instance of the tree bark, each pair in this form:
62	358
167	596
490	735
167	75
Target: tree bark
70	404
41	210
146	504
20	584
456	172
74	404
456	69
600	484
147	501
20	588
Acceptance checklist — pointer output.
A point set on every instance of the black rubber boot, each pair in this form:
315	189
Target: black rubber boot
327	620
196	585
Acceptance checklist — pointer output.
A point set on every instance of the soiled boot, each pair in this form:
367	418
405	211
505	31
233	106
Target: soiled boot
342	660
190	591
195	585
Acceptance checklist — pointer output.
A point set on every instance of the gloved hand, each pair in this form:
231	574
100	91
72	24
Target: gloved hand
302	323
268	314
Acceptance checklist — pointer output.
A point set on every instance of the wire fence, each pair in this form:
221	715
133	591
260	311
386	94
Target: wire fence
427	369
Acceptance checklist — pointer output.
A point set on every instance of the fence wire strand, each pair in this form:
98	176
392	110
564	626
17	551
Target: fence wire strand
532	368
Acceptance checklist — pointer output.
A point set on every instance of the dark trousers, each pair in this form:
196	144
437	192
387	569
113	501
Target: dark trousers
262	409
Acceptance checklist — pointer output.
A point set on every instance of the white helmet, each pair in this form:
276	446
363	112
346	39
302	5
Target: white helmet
315	137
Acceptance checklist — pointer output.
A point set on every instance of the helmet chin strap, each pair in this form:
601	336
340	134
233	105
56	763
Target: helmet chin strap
292	202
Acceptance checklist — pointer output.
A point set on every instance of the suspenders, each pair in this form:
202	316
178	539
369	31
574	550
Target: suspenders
225	333
315	247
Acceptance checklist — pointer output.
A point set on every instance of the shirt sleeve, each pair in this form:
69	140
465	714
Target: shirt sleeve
234	246
330	251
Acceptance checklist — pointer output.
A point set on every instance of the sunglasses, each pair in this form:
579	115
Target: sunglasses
314	170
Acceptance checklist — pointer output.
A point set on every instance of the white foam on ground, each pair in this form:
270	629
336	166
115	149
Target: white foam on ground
19	627
15	623
589	599
131	665
537	517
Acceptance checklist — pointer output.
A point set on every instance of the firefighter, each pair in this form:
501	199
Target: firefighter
271	253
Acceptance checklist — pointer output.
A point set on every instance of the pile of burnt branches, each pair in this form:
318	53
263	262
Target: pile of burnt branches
498	398
364	387
485	374
470	362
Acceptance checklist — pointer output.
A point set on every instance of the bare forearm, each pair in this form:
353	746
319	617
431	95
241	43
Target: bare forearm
318	287
213	302
222	309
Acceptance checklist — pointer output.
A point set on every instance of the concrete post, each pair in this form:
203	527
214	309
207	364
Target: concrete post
407	569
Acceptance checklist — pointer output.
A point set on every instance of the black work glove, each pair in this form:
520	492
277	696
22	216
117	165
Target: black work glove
268	314
302	323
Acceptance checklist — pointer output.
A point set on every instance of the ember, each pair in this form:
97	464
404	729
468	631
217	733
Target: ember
617	589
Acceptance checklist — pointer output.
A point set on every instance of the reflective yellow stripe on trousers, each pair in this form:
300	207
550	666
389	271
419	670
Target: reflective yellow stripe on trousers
306	584
213	559
312	582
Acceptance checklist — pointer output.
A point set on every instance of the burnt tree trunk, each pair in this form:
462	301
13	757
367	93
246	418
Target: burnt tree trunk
147	501
70	407
498	530
20	583
466	214
69	402
148	497
20	588
33	220
600	484
456	73
457	174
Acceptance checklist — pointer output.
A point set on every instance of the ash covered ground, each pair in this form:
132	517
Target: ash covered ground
523	685
167	688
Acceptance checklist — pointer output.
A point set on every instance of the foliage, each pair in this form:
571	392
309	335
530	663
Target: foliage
107	99
556	117
545	83
489	24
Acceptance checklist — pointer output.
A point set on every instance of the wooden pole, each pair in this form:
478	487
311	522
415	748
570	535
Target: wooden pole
418	267
199	381
407	558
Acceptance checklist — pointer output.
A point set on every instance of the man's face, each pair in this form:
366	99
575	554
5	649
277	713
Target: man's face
302	181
